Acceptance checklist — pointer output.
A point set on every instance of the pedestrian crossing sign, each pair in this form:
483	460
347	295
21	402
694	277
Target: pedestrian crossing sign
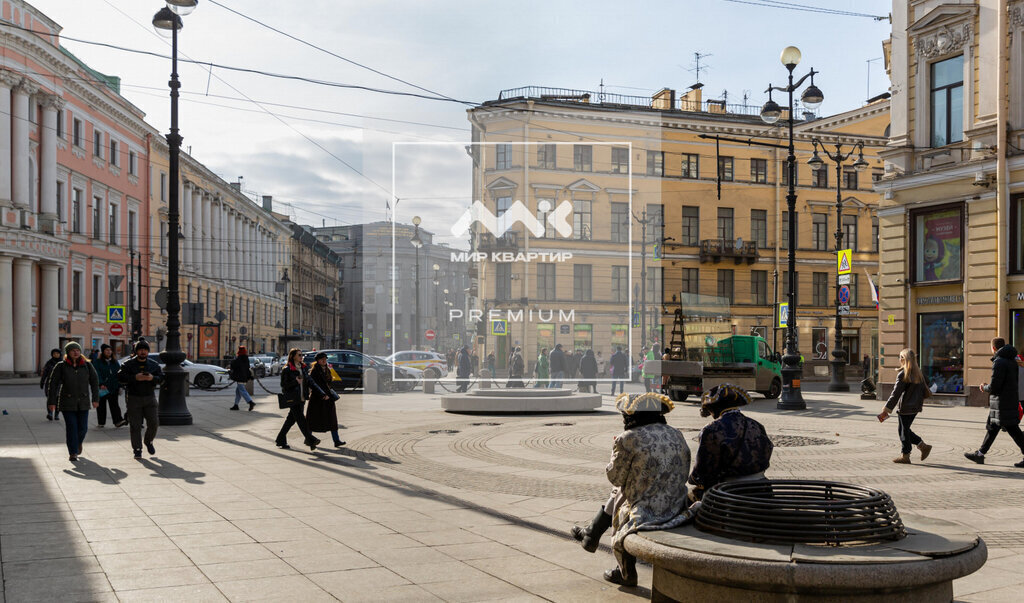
115	314
783	315
499	327
845	261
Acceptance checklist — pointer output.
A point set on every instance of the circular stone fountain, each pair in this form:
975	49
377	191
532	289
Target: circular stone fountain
520	400
794	540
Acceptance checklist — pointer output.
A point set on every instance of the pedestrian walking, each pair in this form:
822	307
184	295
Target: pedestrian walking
140	375
240	371
542	368
295	389
55	357
474	360
1004	401
322	412
516	367
588	372
491	361
556	364
572	363
664	378
72	387
908	398
620	369
601	364
648	374
107	368
463	369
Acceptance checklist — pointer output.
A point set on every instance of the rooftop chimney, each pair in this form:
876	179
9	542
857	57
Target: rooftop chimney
235	186
268	202
691	100
664	99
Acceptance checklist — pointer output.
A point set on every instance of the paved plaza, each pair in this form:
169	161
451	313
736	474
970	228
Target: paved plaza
420	505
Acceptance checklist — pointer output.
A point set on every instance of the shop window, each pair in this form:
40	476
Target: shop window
545	336
937	250
1017	234
819	337
582	337
1017	328
941	348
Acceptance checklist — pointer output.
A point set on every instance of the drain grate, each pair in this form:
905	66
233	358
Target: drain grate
792	441
559	424
446	431
485	424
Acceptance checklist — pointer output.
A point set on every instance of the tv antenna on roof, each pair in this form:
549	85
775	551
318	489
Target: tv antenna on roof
697	56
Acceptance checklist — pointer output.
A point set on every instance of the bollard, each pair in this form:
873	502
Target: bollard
428	385
485	379
370	381
250	387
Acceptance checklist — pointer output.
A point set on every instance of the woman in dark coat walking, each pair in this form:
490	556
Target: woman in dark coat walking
52	362
588	371
1004	405
110	388
295	388
322	414
74	387
909	393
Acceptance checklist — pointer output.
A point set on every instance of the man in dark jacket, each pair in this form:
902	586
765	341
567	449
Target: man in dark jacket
140	375
107	367
241	373
556	364
52	362
620	370
464	368
1003	401
72	387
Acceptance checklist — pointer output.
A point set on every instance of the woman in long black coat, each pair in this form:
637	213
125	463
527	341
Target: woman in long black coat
321	414
588	371
295	387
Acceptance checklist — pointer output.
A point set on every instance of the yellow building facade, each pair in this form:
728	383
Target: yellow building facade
645	194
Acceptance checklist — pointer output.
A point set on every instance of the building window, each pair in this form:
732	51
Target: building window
874	234
819	292
97	294
76	291
620	283
97	143
546	282
785	174
947	106
115	158
655	223
542	217
620	222
819	232
759	227
690	232
546	156
876	175
850	179
784	294
133	163
655	163
690	282
937	251
620	160
503	282
503	157
60	201
163	239
759	170
691	166
60	124
76	132
76	210
819	178
163	186
112	230
725	168
759	287
654	289
725	230
583	158
581	284
725	284
819	339
1016	236
850	232
581	219
97	217
132	225
853	290
941	341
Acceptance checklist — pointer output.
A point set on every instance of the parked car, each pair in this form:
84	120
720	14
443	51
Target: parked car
204	376
271	364
432	364
347	368
259	370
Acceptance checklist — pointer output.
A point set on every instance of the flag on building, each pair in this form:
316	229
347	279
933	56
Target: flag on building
874	290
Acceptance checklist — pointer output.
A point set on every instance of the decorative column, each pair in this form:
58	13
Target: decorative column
24	362
216	239
250	262
20	180
48	336
48	164
207	234
236	246
185	202
6	310
8	80
197	229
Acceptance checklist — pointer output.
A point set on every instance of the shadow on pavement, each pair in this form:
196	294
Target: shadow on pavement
981	470
86	469
169	470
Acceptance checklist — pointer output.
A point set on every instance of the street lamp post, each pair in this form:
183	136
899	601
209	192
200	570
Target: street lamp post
812	97
173	408
417	242
437	296
839	355
286	282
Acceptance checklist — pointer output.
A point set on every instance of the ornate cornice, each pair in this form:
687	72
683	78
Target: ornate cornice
9	78
1016	12
26	86
943	41
52	101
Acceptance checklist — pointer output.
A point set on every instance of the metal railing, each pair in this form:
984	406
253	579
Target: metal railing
716	248
608	99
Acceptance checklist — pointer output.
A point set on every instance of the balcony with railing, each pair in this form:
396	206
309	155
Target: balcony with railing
506	242
713	250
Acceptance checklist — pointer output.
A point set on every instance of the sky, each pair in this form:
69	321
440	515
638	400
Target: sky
325	152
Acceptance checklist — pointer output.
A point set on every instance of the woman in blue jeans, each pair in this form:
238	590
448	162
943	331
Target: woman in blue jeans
73	386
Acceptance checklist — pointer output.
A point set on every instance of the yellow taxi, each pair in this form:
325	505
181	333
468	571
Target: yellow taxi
432	364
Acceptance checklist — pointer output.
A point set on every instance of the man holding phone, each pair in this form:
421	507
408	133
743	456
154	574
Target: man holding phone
140	375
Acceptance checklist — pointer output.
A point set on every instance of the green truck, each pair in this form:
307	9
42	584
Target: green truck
744	360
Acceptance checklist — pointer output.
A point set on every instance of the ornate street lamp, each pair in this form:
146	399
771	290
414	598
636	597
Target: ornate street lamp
417	242
811	98
173	408
839	355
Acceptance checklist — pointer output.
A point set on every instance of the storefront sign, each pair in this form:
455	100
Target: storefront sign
940	299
